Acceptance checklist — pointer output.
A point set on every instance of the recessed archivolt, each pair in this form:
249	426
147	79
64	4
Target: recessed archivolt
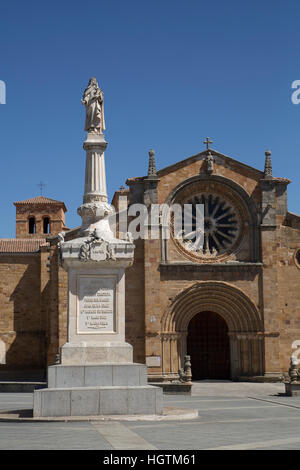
239	312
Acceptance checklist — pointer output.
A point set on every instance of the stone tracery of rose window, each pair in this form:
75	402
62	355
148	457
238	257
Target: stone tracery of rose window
222	223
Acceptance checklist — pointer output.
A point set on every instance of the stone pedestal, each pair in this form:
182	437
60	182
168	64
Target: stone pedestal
96	322
91	390
292	389
96	375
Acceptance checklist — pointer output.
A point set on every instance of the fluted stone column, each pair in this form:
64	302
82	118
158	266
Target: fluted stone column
95	178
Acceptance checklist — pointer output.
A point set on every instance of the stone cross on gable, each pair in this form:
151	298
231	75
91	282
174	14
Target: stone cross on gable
207	142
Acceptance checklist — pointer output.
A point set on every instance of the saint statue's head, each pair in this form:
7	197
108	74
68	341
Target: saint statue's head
93	81
92	87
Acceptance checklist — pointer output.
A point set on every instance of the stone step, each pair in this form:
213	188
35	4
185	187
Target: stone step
261	378
68	376
93	401
174	388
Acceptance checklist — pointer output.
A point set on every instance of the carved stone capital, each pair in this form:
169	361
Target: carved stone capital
97	210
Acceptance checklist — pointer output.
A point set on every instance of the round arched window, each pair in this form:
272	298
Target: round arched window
46	225
31	225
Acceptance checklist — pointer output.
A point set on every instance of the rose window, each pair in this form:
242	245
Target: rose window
213	226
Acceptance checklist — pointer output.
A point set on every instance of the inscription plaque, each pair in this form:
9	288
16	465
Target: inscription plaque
96	305
153	361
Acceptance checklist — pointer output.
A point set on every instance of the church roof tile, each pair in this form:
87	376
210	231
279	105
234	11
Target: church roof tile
21	245
40	200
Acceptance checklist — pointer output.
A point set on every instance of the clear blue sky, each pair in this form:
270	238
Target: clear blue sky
172	73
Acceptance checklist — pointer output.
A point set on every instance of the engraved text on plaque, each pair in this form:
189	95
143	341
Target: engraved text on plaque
96	305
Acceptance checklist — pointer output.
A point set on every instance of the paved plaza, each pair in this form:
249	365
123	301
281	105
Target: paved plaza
232	416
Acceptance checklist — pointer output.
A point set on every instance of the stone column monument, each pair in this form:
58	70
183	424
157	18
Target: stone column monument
96	375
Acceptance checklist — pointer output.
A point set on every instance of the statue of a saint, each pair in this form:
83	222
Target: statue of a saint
93	101
209	160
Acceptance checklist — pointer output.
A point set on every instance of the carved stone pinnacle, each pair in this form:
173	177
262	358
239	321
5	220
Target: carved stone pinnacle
152	165
268	165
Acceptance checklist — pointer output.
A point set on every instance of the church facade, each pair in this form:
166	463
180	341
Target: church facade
232	304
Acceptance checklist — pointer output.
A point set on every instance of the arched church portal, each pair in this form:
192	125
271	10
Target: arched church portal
208	345
209	319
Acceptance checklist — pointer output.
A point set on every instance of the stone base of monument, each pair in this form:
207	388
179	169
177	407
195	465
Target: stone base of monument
93	390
